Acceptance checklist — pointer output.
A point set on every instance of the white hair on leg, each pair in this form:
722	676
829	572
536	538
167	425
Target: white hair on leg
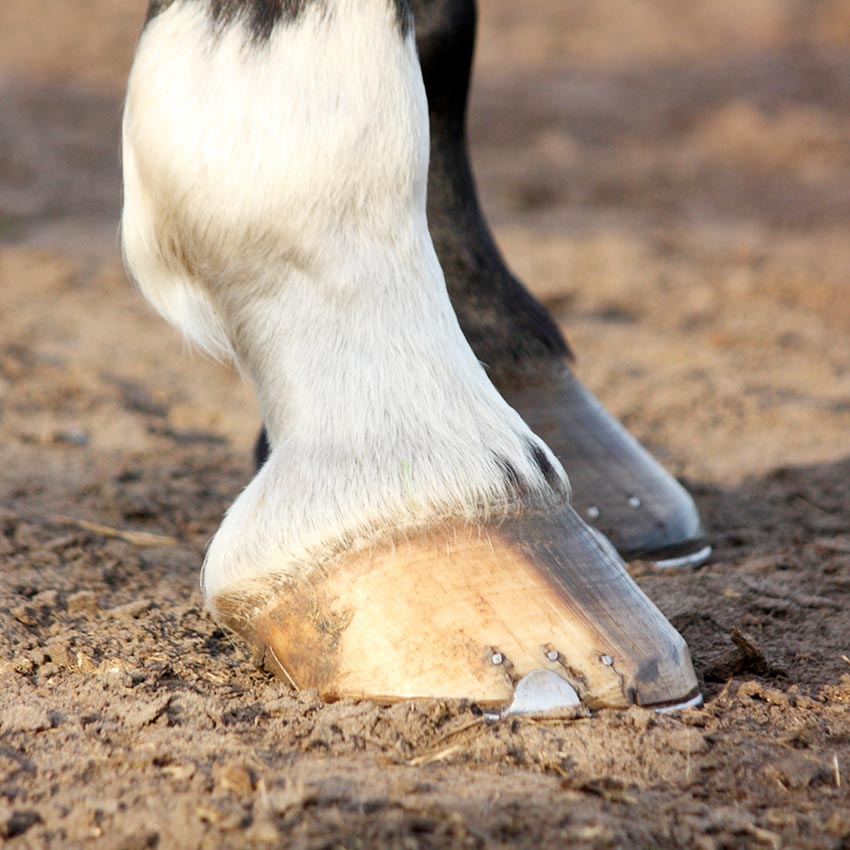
275	211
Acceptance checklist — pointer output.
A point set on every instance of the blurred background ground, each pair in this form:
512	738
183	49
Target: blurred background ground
673	180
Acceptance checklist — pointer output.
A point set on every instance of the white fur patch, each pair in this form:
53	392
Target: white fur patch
275	211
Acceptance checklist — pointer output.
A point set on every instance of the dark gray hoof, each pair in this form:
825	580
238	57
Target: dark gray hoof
618	487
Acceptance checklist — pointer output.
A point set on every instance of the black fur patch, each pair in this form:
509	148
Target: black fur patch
262	16
155	7
404	13
262	449
519	485
515	483
552	477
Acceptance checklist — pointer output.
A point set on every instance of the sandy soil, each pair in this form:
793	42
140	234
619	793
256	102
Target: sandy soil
674	181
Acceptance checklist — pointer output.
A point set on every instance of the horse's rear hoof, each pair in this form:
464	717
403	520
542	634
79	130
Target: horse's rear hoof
472	613
618	487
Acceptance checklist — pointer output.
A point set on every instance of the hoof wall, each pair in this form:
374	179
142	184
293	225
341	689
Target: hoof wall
526	617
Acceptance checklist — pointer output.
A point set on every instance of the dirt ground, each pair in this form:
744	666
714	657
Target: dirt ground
674	181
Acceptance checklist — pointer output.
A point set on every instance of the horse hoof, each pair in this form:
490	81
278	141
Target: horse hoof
474	613
618	487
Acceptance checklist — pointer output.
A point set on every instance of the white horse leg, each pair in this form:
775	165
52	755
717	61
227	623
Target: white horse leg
409	535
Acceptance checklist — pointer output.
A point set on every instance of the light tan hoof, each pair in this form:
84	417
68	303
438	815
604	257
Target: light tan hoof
468	612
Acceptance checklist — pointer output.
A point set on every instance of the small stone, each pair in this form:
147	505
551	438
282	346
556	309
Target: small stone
24	614
84	602
130	611
83	662
59	652
236	778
